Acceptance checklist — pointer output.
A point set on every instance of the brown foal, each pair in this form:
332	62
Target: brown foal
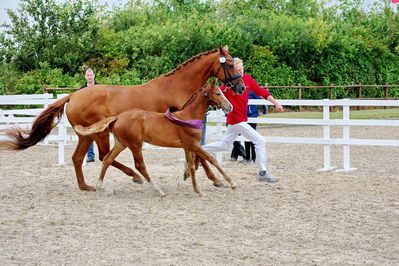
178	129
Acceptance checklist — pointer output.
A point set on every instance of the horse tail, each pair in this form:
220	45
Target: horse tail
42	126
100	126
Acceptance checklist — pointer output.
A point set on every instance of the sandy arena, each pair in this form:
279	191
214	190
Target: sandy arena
308	218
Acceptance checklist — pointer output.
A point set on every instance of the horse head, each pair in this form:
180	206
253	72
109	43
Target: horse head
216	98
227	72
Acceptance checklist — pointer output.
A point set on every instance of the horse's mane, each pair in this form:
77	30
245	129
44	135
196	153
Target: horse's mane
174	109
192	59
192	98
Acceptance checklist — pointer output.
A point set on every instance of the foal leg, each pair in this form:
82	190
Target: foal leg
211	176
107	161
140	166
103	144
191	167
187	171
204	155
77	159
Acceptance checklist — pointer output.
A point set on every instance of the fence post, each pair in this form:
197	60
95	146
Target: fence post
45	141
10	116
61	142
62	134
346	136
300	97
359	94
330	97
386	94
326	136
386	91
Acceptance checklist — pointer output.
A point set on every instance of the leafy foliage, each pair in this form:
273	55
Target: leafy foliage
282	42
43	32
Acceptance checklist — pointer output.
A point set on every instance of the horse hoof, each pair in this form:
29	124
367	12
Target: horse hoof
139	181
234	187
219	185
88	188
99	185
186	176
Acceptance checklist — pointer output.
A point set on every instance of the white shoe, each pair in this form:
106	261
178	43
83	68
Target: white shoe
266	177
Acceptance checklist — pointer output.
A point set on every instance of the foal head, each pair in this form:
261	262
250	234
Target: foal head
210	95
216	97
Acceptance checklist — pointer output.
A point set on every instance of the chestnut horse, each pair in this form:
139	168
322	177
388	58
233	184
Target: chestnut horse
180	129
92	104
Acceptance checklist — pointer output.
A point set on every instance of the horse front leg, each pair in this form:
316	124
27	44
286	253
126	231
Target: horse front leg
211	176
191	168
77	159
187	171
206	156
102	141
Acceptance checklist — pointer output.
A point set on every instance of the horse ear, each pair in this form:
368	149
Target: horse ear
215	81
223	50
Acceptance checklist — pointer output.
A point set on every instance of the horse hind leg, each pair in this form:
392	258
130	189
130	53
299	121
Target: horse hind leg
104	148
77	159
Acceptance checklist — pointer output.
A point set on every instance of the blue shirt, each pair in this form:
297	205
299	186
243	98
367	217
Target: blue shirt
253	109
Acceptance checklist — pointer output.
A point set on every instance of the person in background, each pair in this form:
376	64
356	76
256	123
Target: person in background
248	153
90	77
253	111
203	132
238	150
237	122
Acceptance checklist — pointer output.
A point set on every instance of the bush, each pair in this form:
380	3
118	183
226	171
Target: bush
282	42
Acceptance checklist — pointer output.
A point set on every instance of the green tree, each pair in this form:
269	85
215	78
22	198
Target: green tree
41	31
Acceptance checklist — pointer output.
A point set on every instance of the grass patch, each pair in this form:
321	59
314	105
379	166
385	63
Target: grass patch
354	114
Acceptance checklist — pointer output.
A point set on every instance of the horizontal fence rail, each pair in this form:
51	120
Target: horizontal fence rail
25	117
326	122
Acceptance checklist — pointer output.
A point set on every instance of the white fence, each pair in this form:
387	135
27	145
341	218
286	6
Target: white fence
24	118
216	133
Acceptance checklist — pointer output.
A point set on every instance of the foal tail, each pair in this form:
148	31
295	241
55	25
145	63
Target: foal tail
42	126
100	126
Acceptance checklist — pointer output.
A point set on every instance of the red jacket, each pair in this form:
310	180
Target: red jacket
240	102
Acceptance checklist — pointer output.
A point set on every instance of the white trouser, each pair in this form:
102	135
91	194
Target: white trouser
248	132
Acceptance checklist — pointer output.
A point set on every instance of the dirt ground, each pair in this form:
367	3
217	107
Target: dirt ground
308	218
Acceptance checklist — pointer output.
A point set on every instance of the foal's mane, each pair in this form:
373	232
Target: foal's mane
192	98
192	59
